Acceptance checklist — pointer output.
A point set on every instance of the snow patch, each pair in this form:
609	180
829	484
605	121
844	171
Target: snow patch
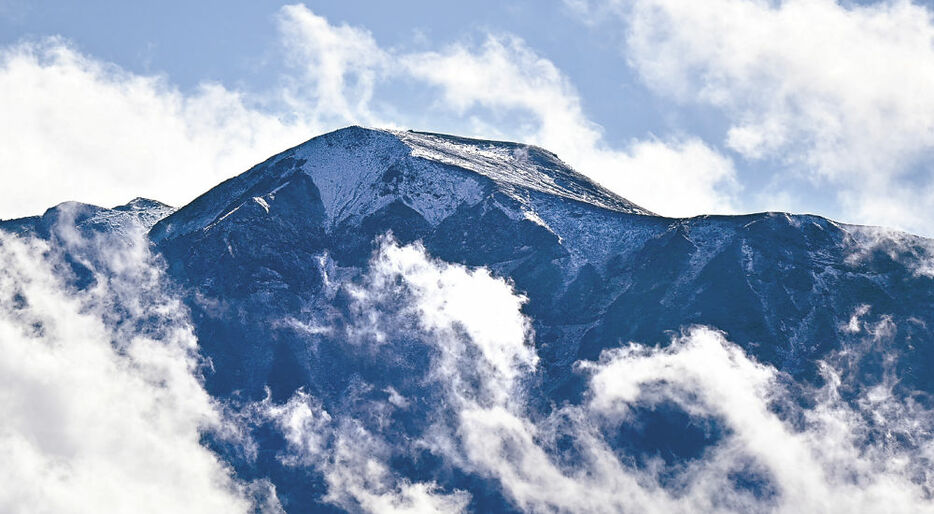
262	203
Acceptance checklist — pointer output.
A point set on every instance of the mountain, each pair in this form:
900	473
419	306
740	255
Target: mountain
276	267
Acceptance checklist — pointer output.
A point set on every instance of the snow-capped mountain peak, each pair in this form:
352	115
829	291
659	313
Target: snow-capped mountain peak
356	171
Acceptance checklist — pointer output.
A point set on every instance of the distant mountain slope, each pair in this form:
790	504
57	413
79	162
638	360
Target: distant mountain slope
139	213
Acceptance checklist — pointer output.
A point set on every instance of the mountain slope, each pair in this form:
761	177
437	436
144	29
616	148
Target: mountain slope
138	214
597	269
598	272
284	271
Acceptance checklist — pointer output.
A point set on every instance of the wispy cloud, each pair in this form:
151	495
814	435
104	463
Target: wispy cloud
677	176
914	252
352	461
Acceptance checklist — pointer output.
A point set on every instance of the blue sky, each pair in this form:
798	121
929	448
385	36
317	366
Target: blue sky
685	107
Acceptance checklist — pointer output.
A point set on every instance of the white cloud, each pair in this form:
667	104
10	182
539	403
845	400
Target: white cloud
133	414
829	466
832	459
76	128
683	177
339	66
356	476
100	414
479	342
914	252
486	86
839	92
456	304
674	177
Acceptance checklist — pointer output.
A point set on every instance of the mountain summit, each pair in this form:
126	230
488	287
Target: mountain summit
357	171
327	274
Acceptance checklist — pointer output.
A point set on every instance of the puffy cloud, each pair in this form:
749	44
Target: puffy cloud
675	177
104	412
479	342
828	466
75	128
133	412
680	177
462	309
831	464
505	73
482	360
486	86
839	92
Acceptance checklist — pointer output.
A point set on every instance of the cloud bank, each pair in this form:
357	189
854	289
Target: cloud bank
102	405
79	129
836	92
823	98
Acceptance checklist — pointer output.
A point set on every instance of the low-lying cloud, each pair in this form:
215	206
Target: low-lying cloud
771	454
102	404
104	407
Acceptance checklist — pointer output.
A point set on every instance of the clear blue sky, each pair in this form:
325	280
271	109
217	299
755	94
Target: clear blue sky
774	126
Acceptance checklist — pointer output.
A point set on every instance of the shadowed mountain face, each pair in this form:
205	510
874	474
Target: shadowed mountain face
597	269
276	268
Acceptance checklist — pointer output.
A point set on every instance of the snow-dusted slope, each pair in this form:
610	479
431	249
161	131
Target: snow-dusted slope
597	269
357	171
515	167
